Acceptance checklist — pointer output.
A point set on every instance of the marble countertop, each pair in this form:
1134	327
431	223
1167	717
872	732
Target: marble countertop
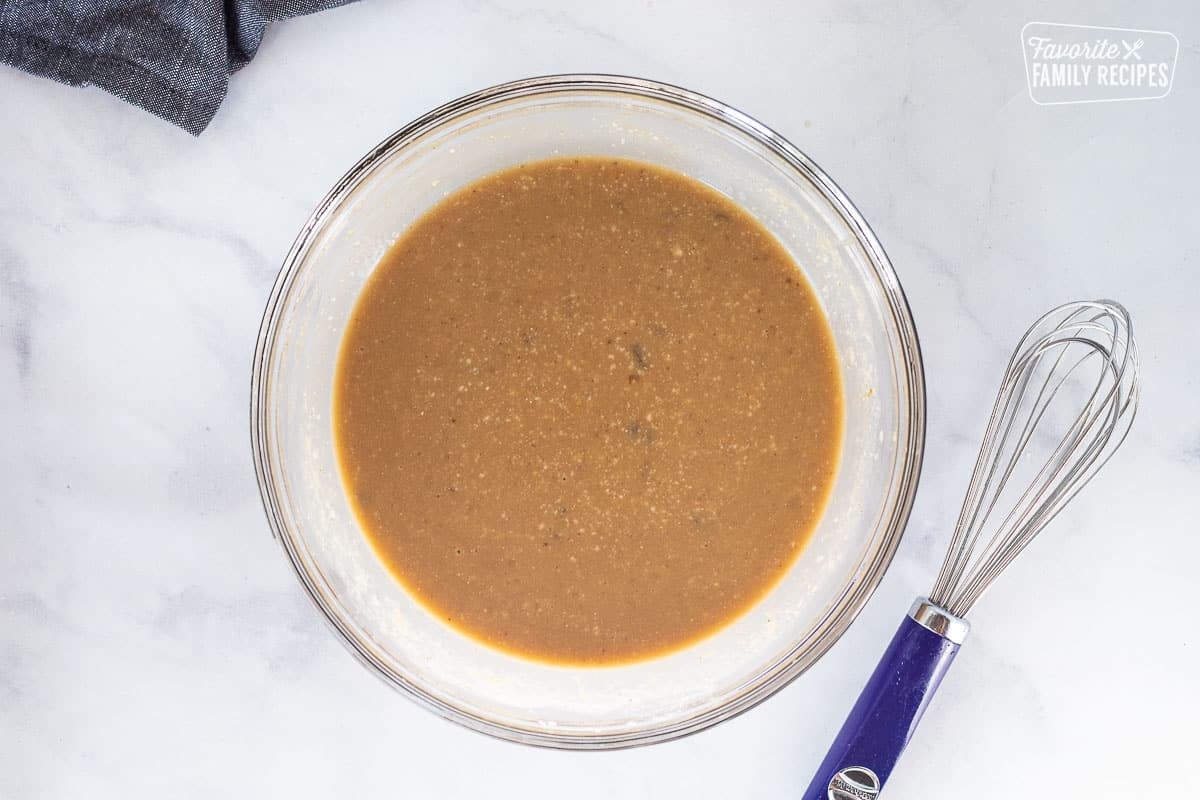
153	641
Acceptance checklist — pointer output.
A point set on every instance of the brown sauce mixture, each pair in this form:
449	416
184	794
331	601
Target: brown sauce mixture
587	410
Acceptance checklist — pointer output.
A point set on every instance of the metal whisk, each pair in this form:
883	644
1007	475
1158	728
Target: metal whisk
1065	404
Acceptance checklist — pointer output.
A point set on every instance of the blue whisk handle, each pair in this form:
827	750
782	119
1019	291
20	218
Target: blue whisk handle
890	706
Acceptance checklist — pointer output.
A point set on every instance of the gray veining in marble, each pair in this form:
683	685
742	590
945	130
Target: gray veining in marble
153	642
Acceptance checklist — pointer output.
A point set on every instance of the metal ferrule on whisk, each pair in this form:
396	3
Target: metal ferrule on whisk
933	617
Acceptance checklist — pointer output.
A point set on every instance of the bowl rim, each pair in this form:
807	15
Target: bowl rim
861	584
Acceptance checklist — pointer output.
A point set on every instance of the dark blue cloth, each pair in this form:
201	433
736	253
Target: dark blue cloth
171	57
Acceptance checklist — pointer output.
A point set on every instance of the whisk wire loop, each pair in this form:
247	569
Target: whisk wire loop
1070	392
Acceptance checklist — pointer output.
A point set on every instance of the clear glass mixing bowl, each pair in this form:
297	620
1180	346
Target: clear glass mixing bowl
491	691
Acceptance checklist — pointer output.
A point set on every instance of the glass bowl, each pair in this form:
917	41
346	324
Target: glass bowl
494	692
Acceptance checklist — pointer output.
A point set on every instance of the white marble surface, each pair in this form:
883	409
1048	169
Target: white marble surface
153	642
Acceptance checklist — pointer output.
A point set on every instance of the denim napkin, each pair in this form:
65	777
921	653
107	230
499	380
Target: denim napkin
171	57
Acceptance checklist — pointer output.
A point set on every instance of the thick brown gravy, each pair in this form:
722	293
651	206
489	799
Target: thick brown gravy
587	410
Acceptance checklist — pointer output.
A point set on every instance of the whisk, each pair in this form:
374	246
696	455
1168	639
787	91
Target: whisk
1068	395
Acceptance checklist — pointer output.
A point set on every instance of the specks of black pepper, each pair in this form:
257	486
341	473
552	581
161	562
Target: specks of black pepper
641	360
529	338
606	356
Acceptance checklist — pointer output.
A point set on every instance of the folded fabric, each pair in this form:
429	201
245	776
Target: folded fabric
171	57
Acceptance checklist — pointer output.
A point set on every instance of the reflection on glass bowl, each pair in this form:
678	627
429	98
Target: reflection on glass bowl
483	688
